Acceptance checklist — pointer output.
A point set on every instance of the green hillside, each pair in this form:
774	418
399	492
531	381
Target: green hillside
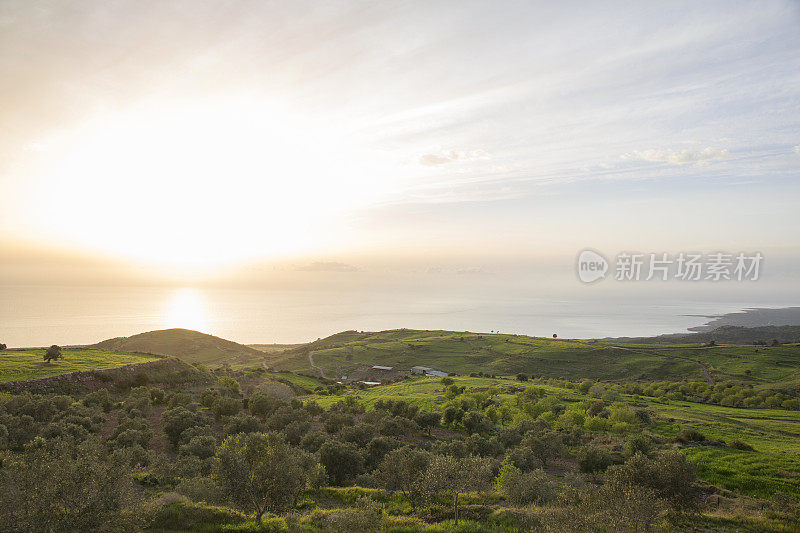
503	354
723	334
191	346
17	365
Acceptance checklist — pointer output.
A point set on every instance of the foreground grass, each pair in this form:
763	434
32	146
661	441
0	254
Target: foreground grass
29	364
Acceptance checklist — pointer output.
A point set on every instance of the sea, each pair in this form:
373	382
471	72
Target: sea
72	315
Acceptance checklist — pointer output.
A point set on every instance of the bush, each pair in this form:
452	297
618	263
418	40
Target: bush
178	420
225	407
592	459
55	485
99	398
523	488
475	422
739	445
334	422
365	516
688	435
342	461
670	475
360	434
638	444
202	446
242	423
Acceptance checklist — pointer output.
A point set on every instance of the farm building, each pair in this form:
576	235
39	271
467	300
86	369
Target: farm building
379	367
420	370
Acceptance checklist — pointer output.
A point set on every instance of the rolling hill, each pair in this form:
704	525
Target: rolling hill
191	346
462	353
722	334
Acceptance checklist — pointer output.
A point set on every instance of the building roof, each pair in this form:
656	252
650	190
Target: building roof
379	367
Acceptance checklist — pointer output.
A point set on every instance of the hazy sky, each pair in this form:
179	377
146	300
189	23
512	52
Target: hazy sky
191	135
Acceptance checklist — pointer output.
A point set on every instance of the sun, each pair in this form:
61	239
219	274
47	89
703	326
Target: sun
186	308
205	183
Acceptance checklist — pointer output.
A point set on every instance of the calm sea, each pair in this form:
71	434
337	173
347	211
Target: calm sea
44	315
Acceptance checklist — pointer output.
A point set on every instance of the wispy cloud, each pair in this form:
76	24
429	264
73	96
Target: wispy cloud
680	157
327	266
449	156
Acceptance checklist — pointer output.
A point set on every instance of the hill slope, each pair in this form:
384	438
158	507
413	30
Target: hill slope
191	346
723	334
464	353
351	353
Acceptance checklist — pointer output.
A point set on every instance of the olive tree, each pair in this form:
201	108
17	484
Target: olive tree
403	469
52	353
452	475
262	472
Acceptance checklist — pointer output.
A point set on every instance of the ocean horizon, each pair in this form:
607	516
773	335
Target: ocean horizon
73	315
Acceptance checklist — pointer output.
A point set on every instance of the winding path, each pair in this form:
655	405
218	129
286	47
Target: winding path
315	367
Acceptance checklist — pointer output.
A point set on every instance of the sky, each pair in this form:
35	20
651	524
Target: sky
198	139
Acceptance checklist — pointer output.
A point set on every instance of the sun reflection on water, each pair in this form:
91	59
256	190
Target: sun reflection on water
186	308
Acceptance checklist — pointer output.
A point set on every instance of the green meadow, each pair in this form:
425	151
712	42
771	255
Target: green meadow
18	365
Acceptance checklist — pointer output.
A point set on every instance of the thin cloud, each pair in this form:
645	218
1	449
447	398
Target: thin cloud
449	156
327	266
680	157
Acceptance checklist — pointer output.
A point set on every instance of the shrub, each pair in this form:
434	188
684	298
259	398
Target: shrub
178	420
687	435
592	459
739	445
55	485
334	422
225	407
242	423
228	386
312	442
670	475
523	488
475	422
638	444
342	461
99	398
360	434
295	431
202	446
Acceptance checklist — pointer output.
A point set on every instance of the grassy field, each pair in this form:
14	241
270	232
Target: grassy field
502	354
28	364
773	466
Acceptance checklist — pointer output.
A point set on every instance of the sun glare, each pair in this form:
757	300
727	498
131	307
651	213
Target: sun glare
186	308
205	184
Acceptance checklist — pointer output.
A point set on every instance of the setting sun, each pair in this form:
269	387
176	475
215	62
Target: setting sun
187	309
203	183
